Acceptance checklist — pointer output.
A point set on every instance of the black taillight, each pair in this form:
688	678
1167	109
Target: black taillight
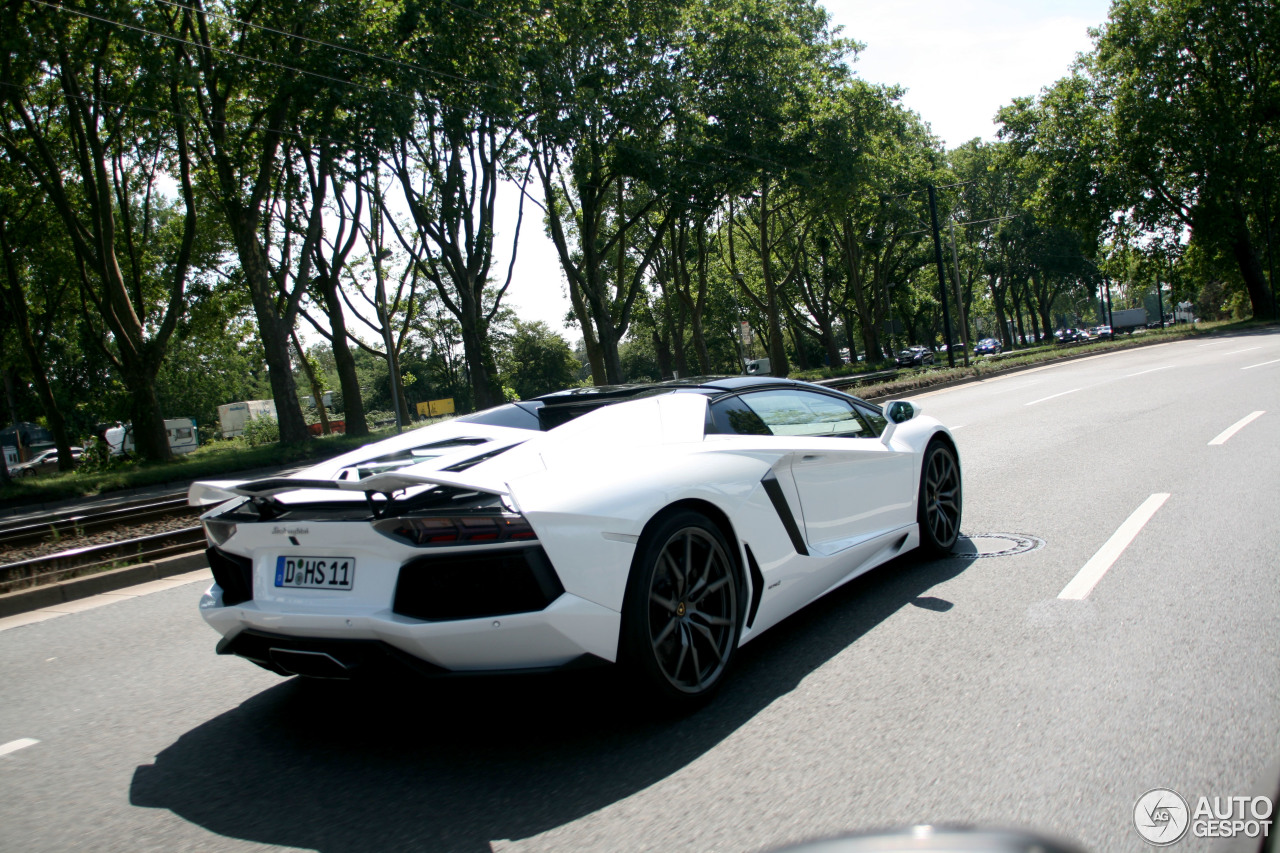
441	530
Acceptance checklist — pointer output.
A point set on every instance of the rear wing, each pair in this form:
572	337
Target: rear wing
204	493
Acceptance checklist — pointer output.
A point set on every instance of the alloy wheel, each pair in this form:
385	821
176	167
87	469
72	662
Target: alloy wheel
692	610
942	497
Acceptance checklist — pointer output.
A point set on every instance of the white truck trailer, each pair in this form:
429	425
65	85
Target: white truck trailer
1128	319
233	416
183	436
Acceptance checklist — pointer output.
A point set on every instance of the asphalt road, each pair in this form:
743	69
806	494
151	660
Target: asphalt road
954	691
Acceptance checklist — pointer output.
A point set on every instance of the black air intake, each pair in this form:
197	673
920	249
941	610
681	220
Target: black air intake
233	574
471	586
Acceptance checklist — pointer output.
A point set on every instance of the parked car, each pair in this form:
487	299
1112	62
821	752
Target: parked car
988	346
656	527
1070	336
46	460
915	356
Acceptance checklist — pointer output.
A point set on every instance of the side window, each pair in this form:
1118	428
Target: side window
732	417
789	412
873	416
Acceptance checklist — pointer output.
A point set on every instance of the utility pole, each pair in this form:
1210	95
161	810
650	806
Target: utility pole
738	319
942	273
964	321
1160	300
380	298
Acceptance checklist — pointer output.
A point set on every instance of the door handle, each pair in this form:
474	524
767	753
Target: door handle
811	457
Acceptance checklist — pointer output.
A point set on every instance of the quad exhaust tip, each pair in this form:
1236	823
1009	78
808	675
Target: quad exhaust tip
310	664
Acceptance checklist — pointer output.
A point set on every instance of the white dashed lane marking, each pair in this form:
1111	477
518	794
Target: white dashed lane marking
1221	438
1263	364
1052	396
1087	578
1152	370
15	745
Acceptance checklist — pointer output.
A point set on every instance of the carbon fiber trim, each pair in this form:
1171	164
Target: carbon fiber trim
774	490
757	585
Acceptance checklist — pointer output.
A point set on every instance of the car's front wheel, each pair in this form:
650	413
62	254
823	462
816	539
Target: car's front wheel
941	500
682	615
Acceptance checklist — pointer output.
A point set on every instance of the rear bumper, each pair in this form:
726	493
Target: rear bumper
566	630
345	659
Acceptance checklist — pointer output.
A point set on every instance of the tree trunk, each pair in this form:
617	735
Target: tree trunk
480	364
274	331
149	432
1250	264
595	355
317	393
17	305
344	361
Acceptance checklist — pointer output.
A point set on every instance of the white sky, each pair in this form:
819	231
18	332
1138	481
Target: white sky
959	60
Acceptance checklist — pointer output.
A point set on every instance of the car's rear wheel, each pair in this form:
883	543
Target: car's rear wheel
683	611
941	500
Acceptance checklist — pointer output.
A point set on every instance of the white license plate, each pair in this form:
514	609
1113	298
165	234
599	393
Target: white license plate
315	572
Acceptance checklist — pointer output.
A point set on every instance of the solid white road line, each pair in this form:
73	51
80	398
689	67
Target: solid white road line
1152	370
1051	396
1238	351
1222	437
1087	578
1263	364
15	745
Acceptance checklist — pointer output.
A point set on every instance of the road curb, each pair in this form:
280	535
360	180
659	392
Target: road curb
51	595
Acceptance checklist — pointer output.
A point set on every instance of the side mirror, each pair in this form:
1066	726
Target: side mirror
900	411
897	412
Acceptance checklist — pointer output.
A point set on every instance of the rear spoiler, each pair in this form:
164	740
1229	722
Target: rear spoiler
207	492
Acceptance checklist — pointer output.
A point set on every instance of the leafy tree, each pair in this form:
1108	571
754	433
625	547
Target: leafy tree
601	98
89	111
1185	92
278	90
535	360
449	160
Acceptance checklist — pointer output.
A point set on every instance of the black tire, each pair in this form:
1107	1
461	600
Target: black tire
941	500
683	611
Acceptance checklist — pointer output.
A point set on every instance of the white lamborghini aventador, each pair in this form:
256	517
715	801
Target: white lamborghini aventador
659	527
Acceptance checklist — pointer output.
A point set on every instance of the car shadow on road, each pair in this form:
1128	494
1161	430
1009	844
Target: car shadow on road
452	765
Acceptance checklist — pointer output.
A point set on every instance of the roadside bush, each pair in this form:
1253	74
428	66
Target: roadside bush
261	430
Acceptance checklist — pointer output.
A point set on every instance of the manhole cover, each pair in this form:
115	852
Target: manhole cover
995	545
